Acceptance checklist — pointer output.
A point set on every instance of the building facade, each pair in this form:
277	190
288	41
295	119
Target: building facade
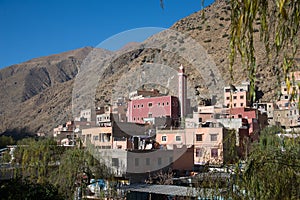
237	96
141	109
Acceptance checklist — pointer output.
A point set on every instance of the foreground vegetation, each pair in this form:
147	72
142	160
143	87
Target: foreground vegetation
41	165
271	171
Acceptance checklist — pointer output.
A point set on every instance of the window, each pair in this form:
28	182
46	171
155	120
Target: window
214	153
163	104
159	161
115	162
88	137
242	97
234	97
134	119
227	98
164	138
158	104
142	105
136	162
242	104
213	137
147	161
95	137
167	103
133	106
234	105
200	119
227	90
198	137
149	104
150	115
178	138
138	106
199	152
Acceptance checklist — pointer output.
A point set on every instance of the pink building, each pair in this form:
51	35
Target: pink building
209	142
100	137
246	113
163	106
237	96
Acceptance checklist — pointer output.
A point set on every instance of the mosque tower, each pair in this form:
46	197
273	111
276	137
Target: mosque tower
182	91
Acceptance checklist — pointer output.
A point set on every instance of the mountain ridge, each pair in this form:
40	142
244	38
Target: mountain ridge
37	94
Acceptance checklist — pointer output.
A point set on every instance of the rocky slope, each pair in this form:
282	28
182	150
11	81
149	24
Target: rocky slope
33	93
38	93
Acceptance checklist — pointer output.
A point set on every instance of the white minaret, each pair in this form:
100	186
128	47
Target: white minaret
182	91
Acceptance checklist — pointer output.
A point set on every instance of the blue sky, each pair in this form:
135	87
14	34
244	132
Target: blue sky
34	28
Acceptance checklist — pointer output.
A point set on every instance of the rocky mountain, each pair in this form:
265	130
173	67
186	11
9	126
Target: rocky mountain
40	93
37	94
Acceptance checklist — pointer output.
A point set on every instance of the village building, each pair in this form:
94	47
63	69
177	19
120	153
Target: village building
237	96
147	109
208	142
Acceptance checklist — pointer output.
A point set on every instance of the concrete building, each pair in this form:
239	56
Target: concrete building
287	118
86	115
237	96
140	110
208	142
246	113
137	165
103	116
130	151
65	134
209	145
139	94
99	137
266	108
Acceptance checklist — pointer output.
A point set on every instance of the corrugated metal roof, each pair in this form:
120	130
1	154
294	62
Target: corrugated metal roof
174	190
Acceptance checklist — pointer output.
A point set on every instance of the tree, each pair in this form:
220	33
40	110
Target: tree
65	168
36	158
24	189
6	140
279	26
77	167
272	170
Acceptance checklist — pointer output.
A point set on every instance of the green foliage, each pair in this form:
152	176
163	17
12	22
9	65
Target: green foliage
42	162
6	140
25	189
230	153
36	158
272	169
279	26
77	167
6	157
